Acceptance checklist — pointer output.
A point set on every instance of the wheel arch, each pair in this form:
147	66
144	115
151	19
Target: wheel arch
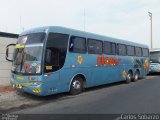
130	70
79	75
138	70
129	76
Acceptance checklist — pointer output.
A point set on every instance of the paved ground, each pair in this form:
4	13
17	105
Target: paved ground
139	97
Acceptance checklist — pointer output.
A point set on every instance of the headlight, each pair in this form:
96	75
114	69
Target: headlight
13	68
38	69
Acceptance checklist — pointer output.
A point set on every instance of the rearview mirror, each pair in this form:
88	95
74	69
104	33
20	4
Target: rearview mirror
8	55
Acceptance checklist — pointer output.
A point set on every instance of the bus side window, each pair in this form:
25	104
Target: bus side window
138	51
145	52
122	49
109	48
130	50
77	45
95	46
113	48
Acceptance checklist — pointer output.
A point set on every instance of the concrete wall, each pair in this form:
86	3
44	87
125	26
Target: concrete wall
5	66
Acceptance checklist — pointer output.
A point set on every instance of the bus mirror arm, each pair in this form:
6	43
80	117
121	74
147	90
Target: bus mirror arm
7	52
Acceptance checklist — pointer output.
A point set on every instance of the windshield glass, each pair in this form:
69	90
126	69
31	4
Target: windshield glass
31	38
32	53
28	54
155	57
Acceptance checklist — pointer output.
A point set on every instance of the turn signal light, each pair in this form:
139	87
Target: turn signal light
36	90
47	75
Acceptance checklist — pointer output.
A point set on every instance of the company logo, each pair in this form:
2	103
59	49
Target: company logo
146	64
80	59
124	74
107	61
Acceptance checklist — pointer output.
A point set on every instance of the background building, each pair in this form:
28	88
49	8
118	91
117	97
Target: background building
5	66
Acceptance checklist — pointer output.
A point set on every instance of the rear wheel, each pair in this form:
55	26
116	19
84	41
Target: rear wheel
76	86
129	77
136	76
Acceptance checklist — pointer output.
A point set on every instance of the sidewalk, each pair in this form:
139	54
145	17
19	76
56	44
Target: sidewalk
6	95
5	89
11	99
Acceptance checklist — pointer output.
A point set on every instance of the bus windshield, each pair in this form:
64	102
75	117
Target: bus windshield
27	57
155	57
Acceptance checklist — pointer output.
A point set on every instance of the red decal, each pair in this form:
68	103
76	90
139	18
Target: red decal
107	61
100	60
113	61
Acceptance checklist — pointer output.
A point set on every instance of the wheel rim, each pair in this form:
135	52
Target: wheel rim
76	84
136	76
129	76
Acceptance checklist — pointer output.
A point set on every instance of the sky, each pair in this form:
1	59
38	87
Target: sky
123	19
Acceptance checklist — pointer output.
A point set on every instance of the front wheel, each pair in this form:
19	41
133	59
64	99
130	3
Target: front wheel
76	86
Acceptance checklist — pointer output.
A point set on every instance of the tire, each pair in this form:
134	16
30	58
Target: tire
76	86
136	76
129	77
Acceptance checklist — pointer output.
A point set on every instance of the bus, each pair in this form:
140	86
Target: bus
154	61
51	60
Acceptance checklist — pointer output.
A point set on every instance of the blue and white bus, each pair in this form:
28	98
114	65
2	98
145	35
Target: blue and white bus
154	61
51	60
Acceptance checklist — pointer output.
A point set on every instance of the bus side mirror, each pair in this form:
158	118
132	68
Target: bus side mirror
7	52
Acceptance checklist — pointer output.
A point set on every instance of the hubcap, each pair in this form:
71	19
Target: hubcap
136	77
76	84
129	76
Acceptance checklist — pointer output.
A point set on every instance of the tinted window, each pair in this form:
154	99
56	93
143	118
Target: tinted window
56	49
32	38
114	48
109	48
138	51
94	46
130	50
122	49
145	52
77	45
155	56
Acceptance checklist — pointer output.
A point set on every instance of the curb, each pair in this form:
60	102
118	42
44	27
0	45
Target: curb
5	89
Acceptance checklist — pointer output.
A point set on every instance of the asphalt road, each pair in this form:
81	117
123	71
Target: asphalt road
142	96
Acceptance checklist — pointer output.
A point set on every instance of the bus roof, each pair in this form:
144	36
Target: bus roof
79	33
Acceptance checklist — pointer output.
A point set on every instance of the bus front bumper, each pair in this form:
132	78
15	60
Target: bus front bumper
26	87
